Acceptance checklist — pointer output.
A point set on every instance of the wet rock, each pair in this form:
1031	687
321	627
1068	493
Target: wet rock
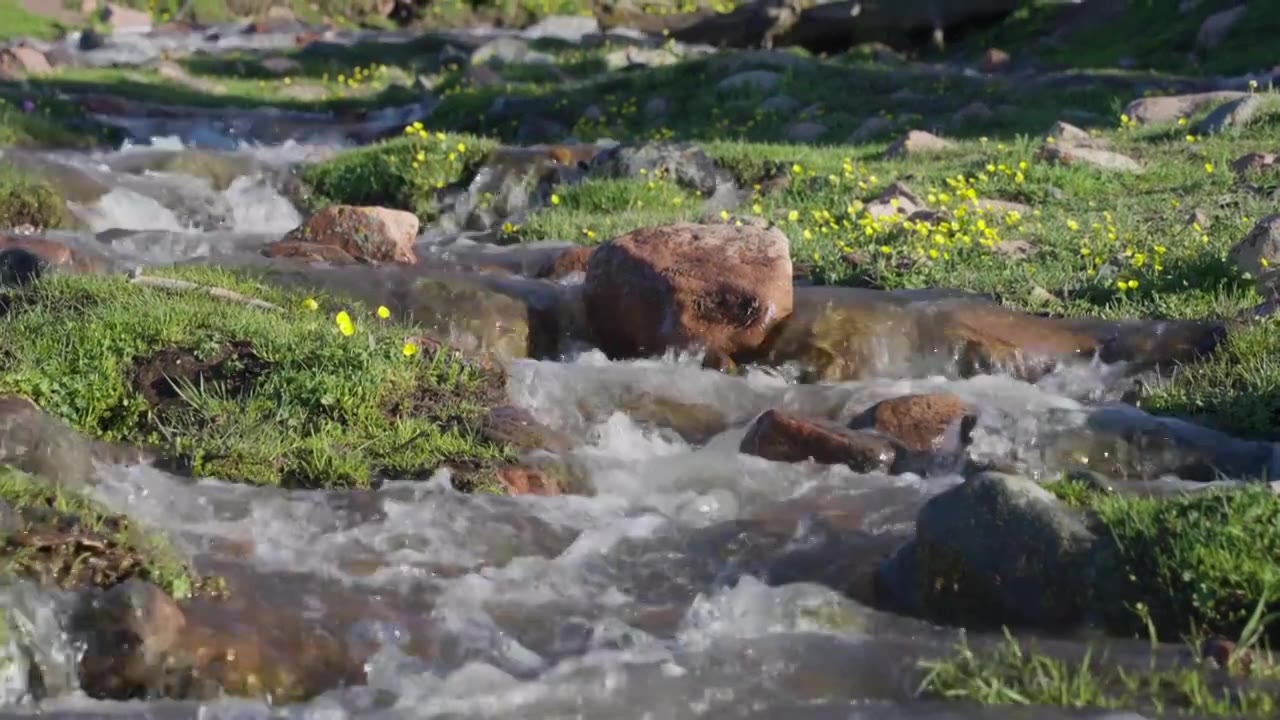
1259	252
1096	157
514	426
130	631
571	261
369	234
42	445
310	252
90	40
930	422
994	60
720	287
696	423
685	164
20	267
1168	108
784	438
1215	28
916	142
1235	114
518	480
750	80
23	60
995	550
1252	162
470	316
870	129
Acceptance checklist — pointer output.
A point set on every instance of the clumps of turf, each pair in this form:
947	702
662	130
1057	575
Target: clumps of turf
318	394
1193	563
404	173
28	201
1236	391
1014	673
59	537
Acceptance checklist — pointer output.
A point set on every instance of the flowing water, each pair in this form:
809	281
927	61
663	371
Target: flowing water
694	582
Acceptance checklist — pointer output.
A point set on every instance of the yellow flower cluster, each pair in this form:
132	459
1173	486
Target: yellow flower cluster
347	326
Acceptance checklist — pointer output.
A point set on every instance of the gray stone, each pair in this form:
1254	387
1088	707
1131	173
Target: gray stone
762	80
996	549
503	49
1259	252
37	443
780	104
806	132
569	28
1097	157
1235	114
1218	26
687	165
870	128
655	108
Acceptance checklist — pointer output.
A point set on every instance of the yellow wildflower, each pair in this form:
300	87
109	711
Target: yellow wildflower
383	312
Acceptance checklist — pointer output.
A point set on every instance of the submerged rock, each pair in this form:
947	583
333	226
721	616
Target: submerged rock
785	438
997	549
42	445
470	316
719	287
130	631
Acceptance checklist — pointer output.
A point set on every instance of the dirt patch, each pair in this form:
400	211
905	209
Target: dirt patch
233	368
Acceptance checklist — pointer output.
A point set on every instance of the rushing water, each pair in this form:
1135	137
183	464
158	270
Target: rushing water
695	582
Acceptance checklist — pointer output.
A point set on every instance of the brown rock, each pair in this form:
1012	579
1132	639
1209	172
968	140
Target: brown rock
573	155
518	428
25	60
42	445
130	632
53	252
1253	161
1199	217
916	142
1015	248
988	338
994	60
784	438
527	481
309	251
573	260
921	422
1168	108
370	234
1063	132
720	287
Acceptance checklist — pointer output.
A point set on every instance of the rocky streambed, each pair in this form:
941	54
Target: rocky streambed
668	477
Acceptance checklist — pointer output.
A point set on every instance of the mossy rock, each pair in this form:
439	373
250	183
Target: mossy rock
244	392
59	537
25	200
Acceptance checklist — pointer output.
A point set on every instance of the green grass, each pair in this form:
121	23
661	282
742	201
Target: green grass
65	539
25	200
16	22
404	173
1015	673
228	390
1191	565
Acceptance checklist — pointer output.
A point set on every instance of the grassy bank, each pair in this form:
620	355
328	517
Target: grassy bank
290	397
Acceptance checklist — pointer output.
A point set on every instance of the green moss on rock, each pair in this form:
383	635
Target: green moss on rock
57	536
231	390
28	201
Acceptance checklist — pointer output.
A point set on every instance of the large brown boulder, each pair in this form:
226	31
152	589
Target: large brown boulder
720	287
369	234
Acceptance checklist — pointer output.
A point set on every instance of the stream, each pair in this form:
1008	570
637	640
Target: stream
695	582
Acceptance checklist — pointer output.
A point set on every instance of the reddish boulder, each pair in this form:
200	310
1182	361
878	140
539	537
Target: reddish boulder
784	438
520	480
719	287
370	234
571	261
309	251
924	422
